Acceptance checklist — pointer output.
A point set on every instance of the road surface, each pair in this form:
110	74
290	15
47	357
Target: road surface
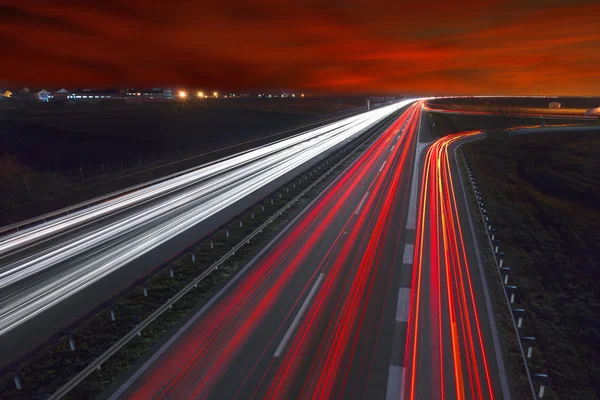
333	306
55	272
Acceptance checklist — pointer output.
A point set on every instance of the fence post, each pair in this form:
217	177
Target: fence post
17	380
530	342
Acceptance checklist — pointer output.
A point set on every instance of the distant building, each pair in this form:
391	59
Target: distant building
554	104
44	95
92	96
60	95
146	95
8	93
25	94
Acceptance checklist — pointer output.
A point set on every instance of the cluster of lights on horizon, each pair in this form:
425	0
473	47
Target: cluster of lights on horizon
183	95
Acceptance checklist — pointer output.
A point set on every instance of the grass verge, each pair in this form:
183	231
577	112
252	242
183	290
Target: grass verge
542	192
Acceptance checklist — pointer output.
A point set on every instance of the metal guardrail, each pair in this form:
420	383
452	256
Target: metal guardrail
96	364
518	315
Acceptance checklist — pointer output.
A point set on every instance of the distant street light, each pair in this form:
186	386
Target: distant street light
302	95
200	95
215	94
182	94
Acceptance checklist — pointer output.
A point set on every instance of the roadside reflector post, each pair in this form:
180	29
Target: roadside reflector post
212	245
171	272
226	232
71	343
17	380
513	291
501	256
529	341
193	258
112	315
505	271
543	379
145	292
520	312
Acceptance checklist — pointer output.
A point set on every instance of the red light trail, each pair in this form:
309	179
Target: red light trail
458	354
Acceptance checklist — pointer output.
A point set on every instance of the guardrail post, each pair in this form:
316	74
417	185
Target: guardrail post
496	244
505	273
520	312
212	245
17	380
513	292
543	379
112	315
145	291
501	256
193	258
493	232
71	343
529	341
171	272
226	232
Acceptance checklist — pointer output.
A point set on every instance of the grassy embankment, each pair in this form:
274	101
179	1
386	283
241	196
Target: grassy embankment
543	192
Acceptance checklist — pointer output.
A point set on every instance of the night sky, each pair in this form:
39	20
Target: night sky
482	47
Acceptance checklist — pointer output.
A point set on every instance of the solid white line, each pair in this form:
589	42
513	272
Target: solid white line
402	305
395	383
408	253
382	165
296	320
361	203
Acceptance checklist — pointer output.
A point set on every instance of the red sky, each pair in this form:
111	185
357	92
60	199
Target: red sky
479	47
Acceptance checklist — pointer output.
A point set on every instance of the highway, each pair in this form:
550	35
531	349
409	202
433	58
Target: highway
452	348
334	308
44	266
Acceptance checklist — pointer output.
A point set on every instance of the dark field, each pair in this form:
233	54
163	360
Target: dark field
518	102
60	137
54	156
543	192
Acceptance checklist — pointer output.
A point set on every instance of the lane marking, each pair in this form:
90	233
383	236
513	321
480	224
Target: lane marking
395	383
361	203
382	165
402	305
392	148
409	249
296	320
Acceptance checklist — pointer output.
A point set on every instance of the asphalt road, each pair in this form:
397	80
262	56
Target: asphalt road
56	272
453	349
376	291
313	316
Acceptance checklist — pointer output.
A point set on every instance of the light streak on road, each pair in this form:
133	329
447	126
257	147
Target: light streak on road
351	258
43	265
444	316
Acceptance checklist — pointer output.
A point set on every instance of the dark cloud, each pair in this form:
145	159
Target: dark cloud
438	46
